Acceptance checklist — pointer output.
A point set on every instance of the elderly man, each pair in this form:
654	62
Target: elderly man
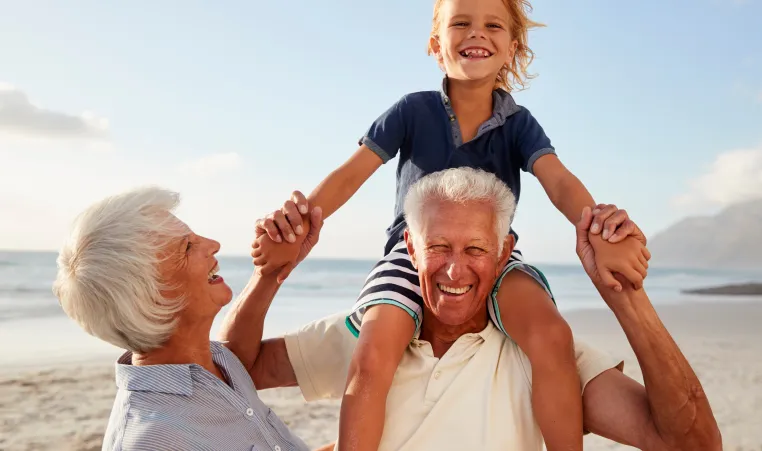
463	385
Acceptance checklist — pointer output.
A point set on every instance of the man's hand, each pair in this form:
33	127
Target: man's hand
628	258
601	259
614	225
270	254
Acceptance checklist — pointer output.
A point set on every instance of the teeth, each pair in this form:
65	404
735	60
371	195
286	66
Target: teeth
476	52
452	290
214	272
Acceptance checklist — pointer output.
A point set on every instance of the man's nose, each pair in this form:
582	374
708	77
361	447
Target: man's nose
454	269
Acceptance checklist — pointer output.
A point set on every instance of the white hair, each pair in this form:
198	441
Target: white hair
461	185
108	269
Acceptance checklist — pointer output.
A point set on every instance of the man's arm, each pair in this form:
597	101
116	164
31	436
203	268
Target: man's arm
273	367
672	411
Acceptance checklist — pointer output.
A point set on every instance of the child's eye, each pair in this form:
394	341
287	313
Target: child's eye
460	24
494	25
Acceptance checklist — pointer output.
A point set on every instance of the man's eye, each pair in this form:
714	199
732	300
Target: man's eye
188	246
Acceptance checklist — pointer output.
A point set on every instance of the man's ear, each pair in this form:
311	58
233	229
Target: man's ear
410	248
508	244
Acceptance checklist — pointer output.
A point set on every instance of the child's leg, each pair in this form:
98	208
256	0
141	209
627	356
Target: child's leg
386	331
384	318
531	319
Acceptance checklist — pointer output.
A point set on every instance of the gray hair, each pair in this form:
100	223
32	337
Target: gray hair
108	269
462	185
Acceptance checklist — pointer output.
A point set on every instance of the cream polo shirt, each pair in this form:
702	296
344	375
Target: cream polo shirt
478	396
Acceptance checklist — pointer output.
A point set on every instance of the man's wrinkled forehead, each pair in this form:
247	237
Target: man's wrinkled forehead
472	221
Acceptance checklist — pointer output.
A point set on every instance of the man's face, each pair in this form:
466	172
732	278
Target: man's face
456	255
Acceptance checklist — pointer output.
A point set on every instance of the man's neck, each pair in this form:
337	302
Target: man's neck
471	100
442	336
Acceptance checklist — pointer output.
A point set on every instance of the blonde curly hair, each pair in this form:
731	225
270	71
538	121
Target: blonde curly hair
513	75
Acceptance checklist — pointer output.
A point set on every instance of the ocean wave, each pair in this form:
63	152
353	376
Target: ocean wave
26	290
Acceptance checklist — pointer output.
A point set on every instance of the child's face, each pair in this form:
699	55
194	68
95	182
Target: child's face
474	41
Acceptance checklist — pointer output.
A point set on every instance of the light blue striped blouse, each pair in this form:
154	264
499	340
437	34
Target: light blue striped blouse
185	407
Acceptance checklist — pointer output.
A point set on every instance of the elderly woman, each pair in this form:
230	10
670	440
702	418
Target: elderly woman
134	275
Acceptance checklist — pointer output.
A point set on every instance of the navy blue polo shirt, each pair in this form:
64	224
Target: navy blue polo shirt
422	129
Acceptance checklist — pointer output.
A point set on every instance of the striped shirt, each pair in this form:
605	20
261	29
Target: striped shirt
185	407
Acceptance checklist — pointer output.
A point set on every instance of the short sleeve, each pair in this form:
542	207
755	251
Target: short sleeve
531	140
320	353
387	133
591	362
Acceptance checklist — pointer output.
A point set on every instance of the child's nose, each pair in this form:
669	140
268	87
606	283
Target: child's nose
477	32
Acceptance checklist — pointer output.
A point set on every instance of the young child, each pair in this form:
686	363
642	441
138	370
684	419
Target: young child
472	121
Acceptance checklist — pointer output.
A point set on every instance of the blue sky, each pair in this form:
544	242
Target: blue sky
655	105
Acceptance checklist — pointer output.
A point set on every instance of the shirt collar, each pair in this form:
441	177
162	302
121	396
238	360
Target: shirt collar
176	379
503	105
483	334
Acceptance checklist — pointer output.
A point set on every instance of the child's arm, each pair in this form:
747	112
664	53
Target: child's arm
341	184
285	228
570	197
563	188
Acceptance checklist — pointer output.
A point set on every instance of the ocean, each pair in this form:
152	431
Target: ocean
33	326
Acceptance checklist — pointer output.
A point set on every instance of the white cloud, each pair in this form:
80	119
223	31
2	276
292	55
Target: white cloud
211	165
734	176
18	115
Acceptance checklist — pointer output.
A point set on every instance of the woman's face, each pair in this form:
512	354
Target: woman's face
189	268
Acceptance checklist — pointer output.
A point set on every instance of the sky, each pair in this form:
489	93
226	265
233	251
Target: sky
655	105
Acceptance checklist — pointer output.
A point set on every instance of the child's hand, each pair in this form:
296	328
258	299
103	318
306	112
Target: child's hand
628	257
614	225
270	254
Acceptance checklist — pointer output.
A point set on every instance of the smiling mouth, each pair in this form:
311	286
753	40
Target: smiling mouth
213	273
454	291
475	52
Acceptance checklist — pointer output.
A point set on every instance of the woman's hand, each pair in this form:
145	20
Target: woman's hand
269	251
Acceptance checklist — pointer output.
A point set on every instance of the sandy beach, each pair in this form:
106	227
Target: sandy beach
66	406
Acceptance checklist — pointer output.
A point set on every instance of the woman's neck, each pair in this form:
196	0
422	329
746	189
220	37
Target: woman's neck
442	336
188	345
